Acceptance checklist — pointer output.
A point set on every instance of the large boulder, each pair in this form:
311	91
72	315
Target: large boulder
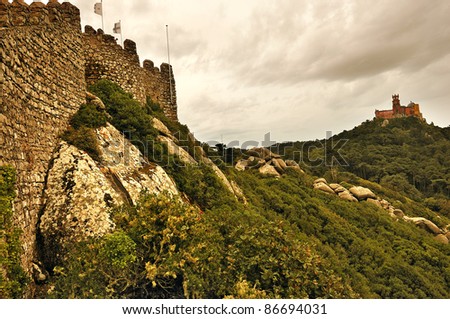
129	171
414	220
269	170
340	189
218	173
262	152
424	224
293	165
241	165
334	186
430	227
161	127
76	202
80	191
346	195
337	188
321	180
279	165
174	149
362	193
399	213
255	162
238	192
323	187
280	162
441	239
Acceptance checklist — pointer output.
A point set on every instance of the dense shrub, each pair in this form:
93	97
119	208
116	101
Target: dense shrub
359	239
81	133
83	138
164	248
13	279
88	116
127	115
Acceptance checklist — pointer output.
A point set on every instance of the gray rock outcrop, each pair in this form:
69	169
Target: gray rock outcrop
324	188
79	191
346	195
266	162
441	239
162	128
128	170
76	201
269	170
174	149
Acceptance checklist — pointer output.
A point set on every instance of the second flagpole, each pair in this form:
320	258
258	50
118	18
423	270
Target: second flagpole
168	60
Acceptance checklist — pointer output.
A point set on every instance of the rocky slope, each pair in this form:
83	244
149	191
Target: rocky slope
359	193
79	191
266	162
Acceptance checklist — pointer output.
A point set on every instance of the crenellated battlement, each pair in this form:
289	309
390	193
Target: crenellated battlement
20	14
106	59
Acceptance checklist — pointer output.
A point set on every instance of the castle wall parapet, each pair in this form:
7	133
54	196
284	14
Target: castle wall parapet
105	59
20	14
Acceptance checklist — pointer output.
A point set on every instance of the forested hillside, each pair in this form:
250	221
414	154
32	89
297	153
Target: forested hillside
404	154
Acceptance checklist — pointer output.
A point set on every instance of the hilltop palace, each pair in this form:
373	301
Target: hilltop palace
412	110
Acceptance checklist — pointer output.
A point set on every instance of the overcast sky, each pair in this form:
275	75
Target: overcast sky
294	68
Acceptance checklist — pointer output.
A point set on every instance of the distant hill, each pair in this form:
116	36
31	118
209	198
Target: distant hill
404	154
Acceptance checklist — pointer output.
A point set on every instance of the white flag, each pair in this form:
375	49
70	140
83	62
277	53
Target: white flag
117	28
98	9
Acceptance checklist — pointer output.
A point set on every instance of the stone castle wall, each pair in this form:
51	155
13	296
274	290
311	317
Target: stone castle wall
106	59
46	63
42	85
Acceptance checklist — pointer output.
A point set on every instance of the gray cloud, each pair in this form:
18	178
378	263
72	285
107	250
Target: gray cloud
339	43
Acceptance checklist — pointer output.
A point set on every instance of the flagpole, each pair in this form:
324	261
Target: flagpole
168	60
121	37
103	24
